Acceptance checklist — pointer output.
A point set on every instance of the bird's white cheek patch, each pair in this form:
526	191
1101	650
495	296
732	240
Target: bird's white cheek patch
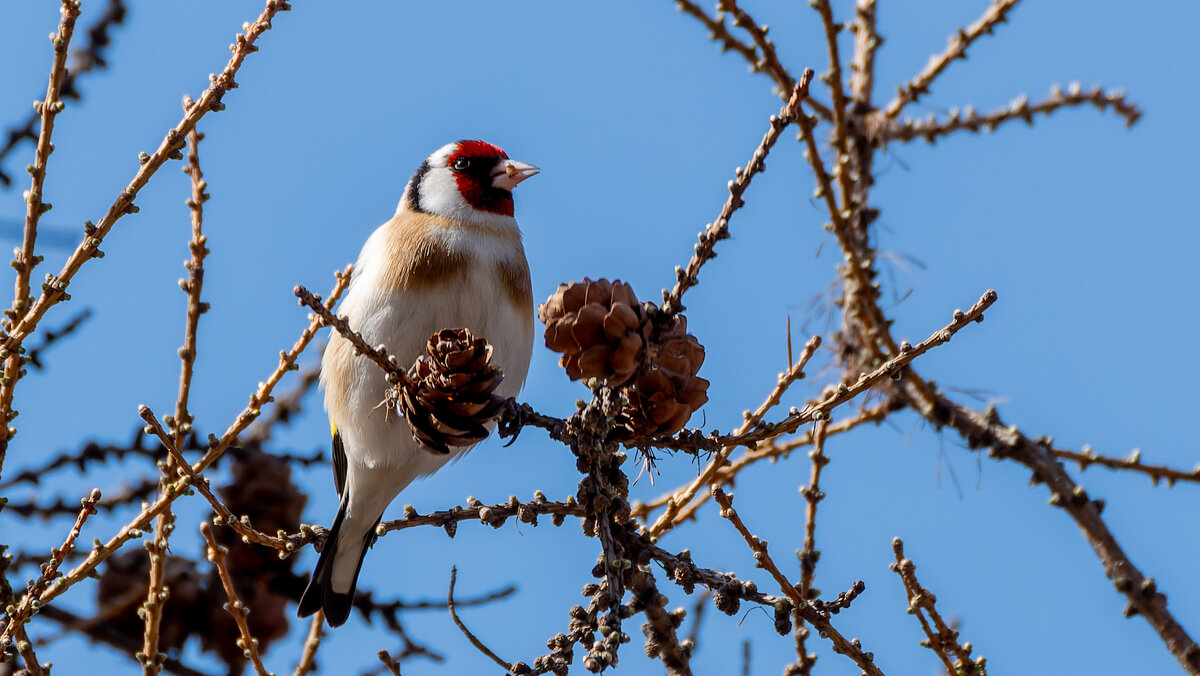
439	195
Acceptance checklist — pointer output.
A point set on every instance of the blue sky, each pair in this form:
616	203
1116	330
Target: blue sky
1083	228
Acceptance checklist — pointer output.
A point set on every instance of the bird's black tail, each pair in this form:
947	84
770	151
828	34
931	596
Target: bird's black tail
320	594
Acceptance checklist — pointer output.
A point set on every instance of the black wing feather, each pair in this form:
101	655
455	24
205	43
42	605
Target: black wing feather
339	464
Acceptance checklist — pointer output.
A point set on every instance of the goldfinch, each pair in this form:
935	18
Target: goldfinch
451	257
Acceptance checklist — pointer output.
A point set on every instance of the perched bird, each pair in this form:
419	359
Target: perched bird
451	257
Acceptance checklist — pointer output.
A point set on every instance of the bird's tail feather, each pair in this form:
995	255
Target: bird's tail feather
320	593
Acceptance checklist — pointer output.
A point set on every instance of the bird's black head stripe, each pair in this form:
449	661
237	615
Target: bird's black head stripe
414	187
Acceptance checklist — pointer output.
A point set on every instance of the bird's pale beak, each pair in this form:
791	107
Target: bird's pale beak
512	172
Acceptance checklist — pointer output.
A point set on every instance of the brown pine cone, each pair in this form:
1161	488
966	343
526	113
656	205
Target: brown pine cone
666	395
599	327
449	400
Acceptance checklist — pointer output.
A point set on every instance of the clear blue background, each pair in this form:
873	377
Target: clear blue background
1086	230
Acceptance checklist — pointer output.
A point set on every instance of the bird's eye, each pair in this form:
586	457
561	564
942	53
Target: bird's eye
461	164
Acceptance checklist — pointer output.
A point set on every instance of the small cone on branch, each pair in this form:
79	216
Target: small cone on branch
603	332
599	327
450	398
665	396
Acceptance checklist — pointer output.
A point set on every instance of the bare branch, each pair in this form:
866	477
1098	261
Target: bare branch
49	578
1087	457
987	431
287	362
35	206
54	290
820	411
867	41
996	14
377	354
392	665
84	60
719	229
931	129
507	666
308	654
52	336
812	497
196	480
768	64
942	639
248	644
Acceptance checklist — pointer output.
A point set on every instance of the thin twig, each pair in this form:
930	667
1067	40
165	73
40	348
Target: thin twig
768	64
35	206
820	410
931	129
248	644
48	108
720	33
392	665
772	449
377	354
25	650
133	529
181	423
507	666
833	78
309	652
52	336
49	579
84	60
194	284
762	557
286	407
786	379
812	497
54	291
104	632
986	430
200	483
996	14
942	640
867	41
156	590
681	570
1133	463
493	515
804	659
719	229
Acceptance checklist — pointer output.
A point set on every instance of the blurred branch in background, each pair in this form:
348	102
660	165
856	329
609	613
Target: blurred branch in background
84	60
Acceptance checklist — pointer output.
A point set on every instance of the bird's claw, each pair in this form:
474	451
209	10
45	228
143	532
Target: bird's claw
512	420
